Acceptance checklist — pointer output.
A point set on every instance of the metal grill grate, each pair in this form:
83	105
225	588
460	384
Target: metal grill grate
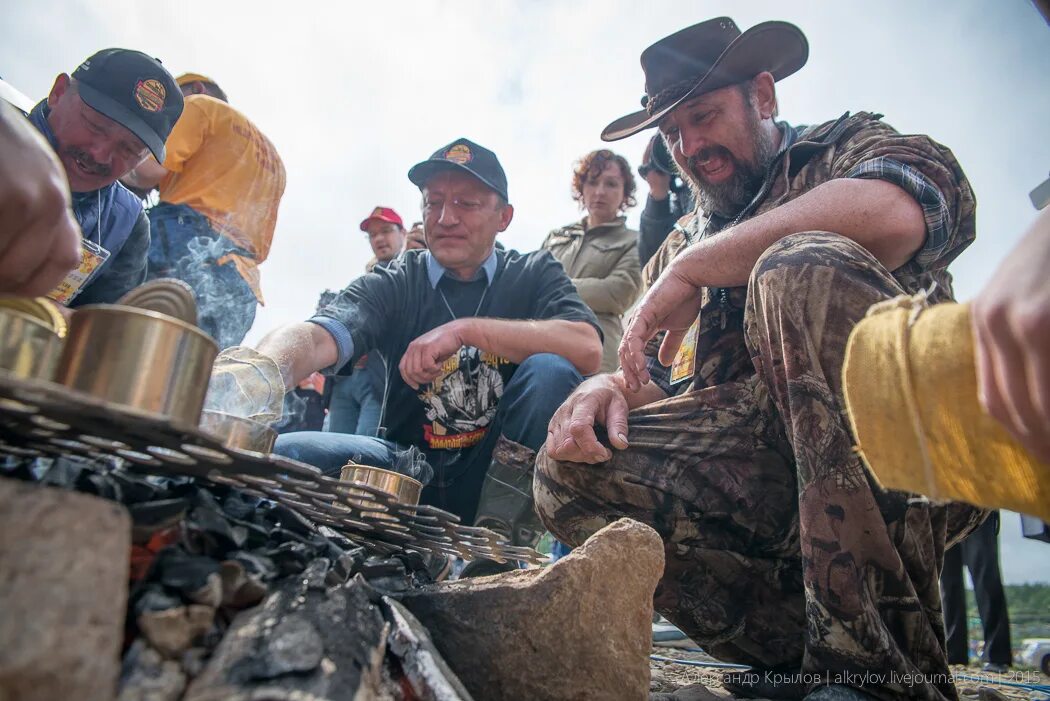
40	419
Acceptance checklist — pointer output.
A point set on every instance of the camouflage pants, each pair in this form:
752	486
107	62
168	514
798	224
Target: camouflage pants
781	551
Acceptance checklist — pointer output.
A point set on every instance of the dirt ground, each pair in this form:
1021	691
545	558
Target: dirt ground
678	682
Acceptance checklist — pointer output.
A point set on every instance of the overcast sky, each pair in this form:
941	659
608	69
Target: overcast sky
353	94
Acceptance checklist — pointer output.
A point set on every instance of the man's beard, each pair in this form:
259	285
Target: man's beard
729	198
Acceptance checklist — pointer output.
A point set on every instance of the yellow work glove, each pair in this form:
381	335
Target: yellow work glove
246	383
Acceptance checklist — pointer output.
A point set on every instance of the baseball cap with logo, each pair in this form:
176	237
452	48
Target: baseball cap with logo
133	90
383	214
465	155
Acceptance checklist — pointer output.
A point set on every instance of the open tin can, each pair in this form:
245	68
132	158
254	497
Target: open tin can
402	487
138	359
238	432
29	347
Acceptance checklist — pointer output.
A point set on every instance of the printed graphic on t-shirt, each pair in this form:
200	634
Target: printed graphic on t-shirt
462	401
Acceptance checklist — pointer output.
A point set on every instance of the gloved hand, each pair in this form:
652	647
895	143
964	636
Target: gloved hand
246	383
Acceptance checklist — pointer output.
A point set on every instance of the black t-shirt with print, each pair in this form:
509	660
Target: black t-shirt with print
388	308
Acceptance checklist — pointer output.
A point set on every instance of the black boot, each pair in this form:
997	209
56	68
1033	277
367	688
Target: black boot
506	505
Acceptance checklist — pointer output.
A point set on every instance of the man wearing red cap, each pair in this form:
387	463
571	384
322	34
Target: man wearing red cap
220	186
724	428
386	235
356	393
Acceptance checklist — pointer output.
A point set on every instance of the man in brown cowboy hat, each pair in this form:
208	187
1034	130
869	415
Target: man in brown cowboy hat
724	428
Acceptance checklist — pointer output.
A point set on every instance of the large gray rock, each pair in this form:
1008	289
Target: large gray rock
63	593
579	629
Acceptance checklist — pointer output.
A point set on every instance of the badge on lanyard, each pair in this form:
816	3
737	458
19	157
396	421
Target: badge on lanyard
684	364
92	256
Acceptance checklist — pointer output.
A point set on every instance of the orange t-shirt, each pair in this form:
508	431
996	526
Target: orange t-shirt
222	166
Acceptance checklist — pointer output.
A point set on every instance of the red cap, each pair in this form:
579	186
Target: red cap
383	214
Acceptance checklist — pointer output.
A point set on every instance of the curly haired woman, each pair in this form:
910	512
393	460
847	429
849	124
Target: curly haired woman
599	252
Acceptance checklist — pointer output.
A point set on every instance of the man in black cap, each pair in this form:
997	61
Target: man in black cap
487	343
724	427
116	108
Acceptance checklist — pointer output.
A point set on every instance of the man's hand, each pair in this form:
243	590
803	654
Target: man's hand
247	383
659	184
599	400
39	238
1011	328
423	358
671	304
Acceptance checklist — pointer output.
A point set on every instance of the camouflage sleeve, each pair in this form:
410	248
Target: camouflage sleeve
925	170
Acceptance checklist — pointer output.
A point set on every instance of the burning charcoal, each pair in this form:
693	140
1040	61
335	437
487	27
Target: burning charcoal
387	575
76	473
294	646
152	597
257	565
339	540
213	531
347	565
194	576
316	572
238	506
149	517
425	670
239	589
289	558
174	630
288	519
193	660
301	642
137	489
147	676
17	468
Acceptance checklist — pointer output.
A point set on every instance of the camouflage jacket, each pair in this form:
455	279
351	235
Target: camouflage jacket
853	146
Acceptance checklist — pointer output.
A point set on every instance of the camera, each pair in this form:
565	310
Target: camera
659	158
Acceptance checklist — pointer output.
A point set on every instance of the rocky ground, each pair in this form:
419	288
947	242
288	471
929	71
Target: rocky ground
678	682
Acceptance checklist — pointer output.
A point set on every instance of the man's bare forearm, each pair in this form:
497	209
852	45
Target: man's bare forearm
576	341
878	215
299	349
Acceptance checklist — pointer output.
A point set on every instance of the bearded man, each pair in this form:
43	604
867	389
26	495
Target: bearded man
724	425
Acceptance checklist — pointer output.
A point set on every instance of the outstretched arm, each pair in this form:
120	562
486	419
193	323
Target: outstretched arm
299	350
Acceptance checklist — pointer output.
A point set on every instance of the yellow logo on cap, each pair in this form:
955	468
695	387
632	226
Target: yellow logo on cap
150	95
460	153
377	212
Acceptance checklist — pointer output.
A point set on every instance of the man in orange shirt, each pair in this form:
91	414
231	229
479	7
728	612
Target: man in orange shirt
220	186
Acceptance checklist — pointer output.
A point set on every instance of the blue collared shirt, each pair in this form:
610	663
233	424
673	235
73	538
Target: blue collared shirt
435	270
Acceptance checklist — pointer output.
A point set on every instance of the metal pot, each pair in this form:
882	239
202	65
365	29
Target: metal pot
138	359
402	487
238	432
29	346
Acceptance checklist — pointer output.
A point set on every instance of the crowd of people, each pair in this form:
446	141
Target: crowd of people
712	412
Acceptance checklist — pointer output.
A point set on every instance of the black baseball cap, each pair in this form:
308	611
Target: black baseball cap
135	91
465	155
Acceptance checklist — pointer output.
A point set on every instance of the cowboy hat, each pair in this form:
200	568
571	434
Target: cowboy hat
706	57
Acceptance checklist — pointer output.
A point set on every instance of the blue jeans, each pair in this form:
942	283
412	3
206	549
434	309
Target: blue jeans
184	246
354	405
538	387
